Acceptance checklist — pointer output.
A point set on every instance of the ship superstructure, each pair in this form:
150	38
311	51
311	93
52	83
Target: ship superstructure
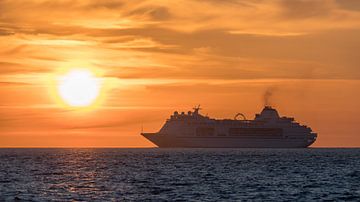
266	130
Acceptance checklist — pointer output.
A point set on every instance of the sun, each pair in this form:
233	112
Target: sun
79	88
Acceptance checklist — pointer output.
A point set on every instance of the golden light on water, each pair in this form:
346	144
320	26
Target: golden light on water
79	88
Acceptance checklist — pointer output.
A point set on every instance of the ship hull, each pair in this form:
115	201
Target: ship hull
166	141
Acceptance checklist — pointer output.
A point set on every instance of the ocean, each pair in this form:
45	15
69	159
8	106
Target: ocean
179	174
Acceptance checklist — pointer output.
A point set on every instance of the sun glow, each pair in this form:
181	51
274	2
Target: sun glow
79	88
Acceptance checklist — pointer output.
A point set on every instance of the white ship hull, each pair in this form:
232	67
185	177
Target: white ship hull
168	141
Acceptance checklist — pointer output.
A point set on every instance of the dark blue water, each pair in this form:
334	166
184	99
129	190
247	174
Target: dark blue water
179	174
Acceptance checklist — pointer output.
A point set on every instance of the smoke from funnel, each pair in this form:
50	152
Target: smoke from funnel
267	96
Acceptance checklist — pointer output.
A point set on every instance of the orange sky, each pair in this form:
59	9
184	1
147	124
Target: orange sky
155	57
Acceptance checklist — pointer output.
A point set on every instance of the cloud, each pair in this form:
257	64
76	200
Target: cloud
14	50
219	54
82	16
352	5
13	84
160	39
157	13
117	124
307	8
5	32
105	4
16	68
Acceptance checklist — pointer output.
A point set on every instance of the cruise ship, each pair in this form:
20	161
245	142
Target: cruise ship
266	130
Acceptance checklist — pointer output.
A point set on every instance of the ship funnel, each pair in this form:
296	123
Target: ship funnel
268	113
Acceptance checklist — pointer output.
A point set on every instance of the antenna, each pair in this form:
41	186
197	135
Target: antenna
196	109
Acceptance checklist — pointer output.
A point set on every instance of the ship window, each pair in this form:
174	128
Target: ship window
257	132
205	131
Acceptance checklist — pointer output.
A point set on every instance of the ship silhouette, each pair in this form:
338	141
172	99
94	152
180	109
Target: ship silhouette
266	130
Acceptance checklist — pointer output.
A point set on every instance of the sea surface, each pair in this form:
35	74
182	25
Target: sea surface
179	174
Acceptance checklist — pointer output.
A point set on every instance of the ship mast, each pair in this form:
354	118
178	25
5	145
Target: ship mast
197	109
